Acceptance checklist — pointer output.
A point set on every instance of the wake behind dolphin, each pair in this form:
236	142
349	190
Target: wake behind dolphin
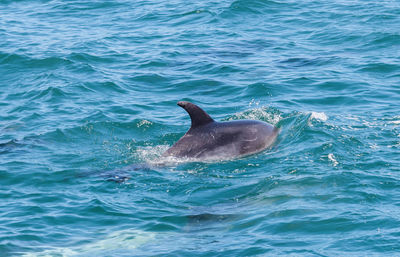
210	140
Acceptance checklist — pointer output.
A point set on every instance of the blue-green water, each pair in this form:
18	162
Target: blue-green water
91	86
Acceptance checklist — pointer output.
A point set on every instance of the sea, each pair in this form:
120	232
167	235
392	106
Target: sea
88	94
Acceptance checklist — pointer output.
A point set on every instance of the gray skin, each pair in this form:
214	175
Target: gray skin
208	139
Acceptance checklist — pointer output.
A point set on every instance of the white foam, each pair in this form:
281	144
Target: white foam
151	153
144	123
254	102
396	120
331	157
258	113
373	146
319	116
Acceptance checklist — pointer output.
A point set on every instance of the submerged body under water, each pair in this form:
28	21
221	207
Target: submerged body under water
92	86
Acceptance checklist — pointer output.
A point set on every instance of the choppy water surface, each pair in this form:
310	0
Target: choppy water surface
88	96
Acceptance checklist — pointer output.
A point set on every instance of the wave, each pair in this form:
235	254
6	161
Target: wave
21	60
382	68
87	6
256	6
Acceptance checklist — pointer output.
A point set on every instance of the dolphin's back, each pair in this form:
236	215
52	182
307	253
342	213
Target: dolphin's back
220	140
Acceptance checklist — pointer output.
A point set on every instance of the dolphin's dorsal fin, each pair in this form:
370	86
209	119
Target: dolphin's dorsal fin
197	115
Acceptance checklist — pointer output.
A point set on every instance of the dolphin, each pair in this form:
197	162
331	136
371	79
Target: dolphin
211	140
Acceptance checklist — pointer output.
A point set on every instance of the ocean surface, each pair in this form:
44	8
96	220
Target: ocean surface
88	93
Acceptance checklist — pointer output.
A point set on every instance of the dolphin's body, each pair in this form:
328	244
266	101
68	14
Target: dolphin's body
208	139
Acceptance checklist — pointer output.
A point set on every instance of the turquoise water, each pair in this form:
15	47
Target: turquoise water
88	96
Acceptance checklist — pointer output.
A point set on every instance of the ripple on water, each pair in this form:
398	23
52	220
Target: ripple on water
88	106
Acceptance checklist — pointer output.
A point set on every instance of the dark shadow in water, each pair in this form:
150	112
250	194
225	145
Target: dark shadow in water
10	146
209	218
206	221
116	175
